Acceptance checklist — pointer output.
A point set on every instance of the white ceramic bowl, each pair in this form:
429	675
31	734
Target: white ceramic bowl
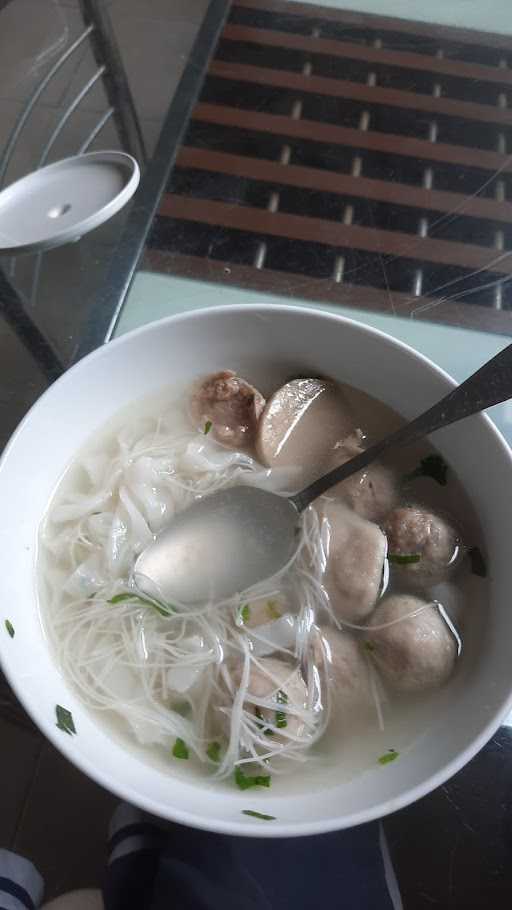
266	343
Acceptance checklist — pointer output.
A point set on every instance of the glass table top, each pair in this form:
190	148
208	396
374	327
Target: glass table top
348	155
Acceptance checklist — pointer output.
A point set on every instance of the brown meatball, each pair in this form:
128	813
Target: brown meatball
413	654
300	426
413	531
355	554
373	492
231	405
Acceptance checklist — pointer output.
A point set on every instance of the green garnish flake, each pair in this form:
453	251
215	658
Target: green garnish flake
9	628
245	781
281	718
368	646
213	752
65	720
119	598
262	725
130	596
432	466
207	427
272	609
478	566
180	749
253	814
245	613
388	757
404	559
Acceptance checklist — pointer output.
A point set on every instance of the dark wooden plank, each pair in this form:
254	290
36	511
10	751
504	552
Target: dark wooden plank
367	94
383	23
341	135
297	287
343	184
331	233
370	54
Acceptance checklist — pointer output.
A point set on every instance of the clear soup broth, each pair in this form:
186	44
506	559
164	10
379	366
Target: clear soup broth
310	677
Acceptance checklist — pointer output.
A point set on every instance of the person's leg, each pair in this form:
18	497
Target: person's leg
21	886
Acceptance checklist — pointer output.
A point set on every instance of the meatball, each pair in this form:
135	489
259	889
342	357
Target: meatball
355	551
301	424
415	532
283	684
413	654
231	405
341	657
373	492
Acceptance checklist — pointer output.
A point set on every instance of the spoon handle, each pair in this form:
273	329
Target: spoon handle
490	385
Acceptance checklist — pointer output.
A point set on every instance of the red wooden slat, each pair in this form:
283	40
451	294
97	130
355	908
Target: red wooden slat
346	50
343	184
340	135
330	233
341	88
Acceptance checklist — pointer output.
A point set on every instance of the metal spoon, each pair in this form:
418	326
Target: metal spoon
228	541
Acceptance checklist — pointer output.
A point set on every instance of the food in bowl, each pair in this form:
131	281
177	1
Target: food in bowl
364	623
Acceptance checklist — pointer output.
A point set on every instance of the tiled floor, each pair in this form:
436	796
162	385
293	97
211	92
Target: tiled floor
49	811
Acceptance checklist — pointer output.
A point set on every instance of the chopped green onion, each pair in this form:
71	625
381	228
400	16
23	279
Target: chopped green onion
272	610
478	566
262	725
245	781
180	749
9	628
281	718
207	427
388	757
213	752
404	559
245	613
253	814
432	466
65	720
130	596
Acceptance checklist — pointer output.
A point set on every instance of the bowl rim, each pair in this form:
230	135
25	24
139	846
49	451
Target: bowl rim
246	828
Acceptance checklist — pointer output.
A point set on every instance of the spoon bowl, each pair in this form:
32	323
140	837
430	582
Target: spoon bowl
222	544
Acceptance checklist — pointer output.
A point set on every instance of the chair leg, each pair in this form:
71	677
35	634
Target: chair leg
38	346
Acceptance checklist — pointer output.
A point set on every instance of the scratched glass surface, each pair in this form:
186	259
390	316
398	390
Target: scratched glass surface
348	157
